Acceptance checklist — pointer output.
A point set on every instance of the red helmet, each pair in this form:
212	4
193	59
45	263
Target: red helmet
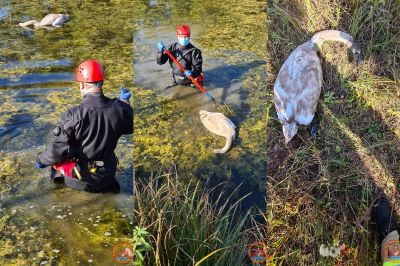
183	30
90	71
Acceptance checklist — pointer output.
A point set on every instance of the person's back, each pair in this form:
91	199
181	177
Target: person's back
99	123
88	134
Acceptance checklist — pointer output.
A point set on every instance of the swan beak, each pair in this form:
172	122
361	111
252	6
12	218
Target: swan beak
289	130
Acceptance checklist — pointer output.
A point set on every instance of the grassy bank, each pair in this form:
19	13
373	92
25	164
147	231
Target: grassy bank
320	192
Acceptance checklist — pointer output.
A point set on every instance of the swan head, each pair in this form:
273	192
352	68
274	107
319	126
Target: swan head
289	130
356	50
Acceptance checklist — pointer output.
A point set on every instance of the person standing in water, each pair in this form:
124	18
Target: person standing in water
87	135
187	54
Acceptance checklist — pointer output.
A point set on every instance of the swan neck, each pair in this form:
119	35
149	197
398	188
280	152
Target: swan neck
228	144
332	35
29	23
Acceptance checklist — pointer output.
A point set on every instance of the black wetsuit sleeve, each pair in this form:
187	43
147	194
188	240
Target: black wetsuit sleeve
197	63
125	101
162	58
58	149
128	117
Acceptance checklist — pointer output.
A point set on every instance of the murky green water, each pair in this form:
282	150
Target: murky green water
41	223
168	130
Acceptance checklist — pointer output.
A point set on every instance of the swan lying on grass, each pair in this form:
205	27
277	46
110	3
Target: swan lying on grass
298	84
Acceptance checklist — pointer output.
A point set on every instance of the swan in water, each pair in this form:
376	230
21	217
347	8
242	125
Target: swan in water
221	125
298	84
55	20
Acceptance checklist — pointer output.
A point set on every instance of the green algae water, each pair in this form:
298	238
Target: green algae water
40	223
168	130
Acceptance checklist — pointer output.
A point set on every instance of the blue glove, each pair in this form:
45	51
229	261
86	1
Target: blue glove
124	94
188	73
39	165
161	47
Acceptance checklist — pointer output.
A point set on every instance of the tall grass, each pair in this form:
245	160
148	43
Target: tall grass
321	191
188	228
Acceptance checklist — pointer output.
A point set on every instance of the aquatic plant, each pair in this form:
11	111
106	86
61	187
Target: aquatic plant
8	169
186	226
140	245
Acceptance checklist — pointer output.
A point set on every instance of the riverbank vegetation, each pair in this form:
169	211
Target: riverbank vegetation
187	227
321	191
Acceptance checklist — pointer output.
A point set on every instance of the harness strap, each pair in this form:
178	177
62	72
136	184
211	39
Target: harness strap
188	51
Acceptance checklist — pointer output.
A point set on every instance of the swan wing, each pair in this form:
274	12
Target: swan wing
298	86
218	124
49	19
60	20
54	20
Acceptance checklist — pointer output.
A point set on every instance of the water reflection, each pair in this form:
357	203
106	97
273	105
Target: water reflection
36	64
3	12
38	78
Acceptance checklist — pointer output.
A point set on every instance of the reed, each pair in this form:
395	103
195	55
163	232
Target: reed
186	227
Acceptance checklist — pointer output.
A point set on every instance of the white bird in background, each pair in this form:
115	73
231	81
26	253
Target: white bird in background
55	20
298	84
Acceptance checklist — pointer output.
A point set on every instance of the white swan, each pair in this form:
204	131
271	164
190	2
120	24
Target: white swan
221	125
298	84
55	20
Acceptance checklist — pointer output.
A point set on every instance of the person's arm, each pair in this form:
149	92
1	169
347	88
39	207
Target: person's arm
124	96
162	58
128	129
197	63
58	149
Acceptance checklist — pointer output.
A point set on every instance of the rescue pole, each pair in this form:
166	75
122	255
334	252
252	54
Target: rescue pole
219	105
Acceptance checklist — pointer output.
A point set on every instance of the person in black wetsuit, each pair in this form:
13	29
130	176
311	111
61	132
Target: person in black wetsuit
186	53
88	134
